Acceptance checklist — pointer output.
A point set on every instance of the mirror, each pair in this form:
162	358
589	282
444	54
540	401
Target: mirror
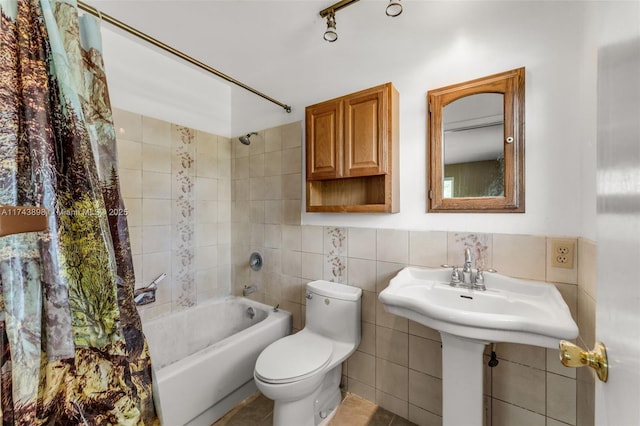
476	145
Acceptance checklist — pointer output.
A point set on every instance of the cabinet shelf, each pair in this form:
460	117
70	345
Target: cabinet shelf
352	153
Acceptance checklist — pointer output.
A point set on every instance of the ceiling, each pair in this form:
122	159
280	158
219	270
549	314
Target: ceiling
277	46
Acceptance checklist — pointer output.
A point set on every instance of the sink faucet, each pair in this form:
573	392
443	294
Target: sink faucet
467	278
467	272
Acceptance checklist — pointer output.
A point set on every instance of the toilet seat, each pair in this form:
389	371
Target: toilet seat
293	358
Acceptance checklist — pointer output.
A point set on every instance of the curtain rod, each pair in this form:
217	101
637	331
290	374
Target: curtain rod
117	23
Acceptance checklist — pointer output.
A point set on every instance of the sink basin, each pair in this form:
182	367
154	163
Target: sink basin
510	310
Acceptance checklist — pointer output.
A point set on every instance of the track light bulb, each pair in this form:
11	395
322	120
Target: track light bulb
394	8
330	34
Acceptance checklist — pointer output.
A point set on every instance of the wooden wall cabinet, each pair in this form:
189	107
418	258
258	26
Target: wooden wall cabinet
352	152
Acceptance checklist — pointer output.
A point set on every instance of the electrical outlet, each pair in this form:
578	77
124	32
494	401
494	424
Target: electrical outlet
562	253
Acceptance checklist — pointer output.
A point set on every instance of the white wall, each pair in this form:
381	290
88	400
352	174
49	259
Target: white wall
154	84
430	45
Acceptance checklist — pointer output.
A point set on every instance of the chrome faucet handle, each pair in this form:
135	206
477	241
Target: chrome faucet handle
478	282
455	274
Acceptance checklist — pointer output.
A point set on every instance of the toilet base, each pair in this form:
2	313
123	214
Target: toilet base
314	409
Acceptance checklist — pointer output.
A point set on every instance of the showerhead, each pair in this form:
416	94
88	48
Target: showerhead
246	138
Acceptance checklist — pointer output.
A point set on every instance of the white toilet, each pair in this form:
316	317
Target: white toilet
301	372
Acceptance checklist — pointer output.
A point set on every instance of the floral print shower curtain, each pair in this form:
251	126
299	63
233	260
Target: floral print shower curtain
72	350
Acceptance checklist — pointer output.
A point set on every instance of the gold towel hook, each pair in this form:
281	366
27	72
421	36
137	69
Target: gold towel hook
574	356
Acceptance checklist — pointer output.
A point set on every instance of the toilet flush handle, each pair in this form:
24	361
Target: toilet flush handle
309	296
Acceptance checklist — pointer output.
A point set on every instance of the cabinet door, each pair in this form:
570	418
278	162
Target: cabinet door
366	123
324	140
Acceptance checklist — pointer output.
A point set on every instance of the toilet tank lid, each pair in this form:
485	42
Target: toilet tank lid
335	290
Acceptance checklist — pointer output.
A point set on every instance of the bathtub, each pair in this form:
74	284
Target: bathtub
203	357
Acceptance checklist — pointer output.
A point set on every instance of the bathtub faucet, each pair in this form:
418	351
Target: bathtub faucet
146	295
248	289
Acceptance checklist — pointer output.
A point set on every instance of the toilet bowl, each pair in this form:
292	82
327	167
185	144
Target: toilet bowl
301	372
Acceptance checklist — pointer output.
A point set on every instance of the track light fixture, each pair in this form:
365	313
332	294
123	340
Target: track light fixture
331	35
394	8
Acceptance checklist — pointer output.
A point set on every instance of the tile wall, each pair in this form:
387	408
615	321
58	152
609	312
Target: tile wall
199	204
176	185
398	362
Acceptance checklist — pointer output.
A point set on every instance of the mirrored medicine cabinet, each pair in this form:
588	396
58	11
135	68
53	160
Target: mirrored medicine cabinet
476	145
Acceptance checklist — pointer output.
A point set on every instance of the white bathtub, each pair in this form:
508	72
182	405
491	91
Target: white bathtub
203	357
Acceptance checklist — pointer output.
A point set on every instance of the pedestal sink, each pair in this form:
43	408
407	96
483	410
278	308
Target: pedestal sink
509	310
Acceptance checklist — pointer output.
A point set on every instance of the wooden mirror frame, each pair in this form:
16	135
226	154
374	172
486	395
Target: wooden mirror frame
511	85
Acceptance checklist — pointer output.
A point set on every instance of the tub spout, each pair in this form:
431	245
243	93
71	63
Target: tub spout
146	295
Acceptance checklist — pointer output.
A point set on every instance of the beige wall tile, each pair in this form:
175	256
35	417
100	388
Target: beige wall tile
134	211
156	158
365	391
156	212
396	405
156	239
425	356
256	211
392	379
129	154
368	338
130	183
561	398
292	186
532	356
156	132
291	237
362	273
362	243
569	293
392	245
154	265
291	210
128	125
206	211
362	367
427	248
273	139
206	189
423	417
291	161
256	188
156	185
522	256
312	266
312	239
272	235
420	330
388	320
135	239
587	271
273	211
392	345
426	392
256	165
385	271
292	135
292	287
587	319
504	414
238	149
291	262
519	385
240	168
273	163
369	300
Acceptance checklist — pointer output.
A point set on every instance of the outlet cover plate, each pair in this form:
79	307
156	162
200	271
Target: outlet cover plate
562	253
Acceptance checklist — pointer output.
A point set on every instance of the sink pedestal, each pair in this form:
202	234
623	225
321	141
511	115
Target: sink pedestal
462	396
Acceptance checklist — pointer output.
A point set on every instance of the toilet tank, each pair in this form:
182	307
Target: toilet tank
333	310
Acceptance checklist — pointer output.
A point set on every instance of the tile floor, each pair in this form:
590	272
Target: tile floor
257	410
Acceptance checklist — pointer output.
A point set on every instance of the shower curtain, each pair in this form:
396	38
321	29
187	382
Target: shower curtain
72	350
